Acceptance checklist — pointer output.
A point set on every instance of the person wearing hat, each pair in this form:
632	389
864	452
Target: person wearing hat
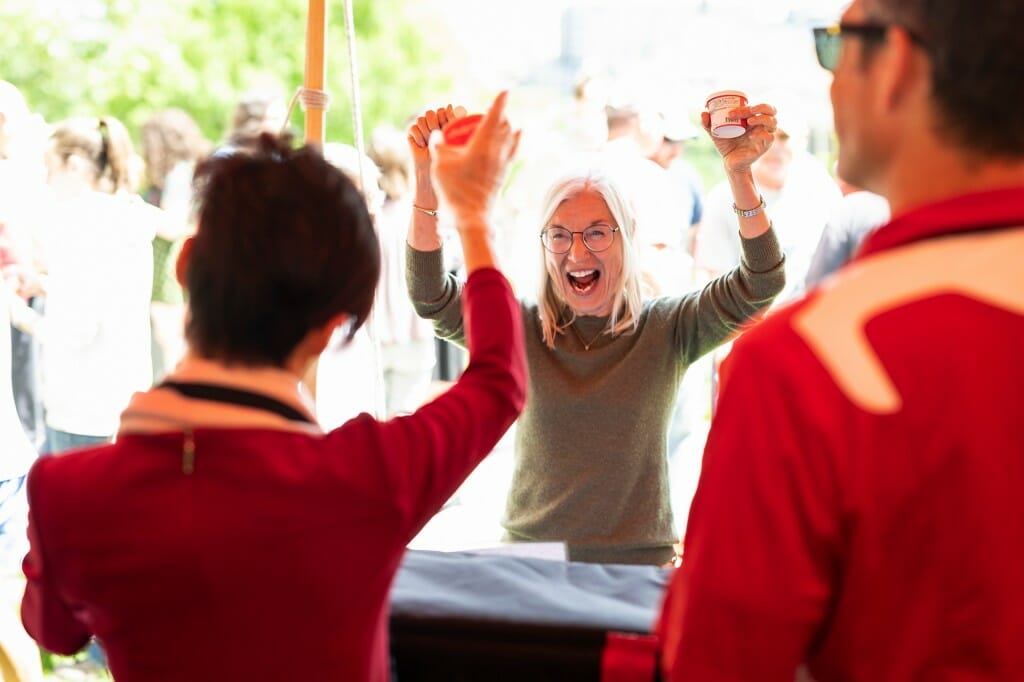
669	154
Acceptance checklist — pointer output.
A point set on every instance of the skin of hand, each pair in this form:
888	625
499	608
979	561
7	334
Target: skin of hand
739	153
470	175
423	126
424	194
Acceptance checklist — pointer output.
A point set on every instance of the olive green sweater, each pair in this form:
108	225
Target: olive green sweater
591	465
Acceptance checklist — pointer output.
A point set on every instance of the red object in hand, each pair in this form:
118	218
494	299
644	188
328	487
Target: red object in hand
460	130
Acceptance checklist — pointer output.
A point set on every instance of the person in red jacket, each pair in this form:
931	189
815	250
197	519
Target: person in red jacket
224	535
861	504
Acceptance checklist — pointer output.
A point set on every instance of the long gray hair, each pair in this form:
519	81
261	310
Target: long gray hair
628	300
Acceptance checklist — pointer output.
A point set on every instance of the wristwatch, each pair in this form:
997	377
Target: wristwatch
750	212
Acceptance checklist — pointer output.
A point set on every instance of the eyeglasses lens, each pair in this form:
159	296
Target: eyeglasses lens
827	45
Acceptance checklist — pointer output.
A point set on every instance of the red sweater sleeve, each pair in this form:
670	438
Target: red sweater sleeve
427	455
45	615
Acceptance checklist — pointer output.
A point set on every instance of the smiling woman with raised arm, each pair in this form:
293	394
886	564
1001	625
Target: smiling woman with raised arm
604	365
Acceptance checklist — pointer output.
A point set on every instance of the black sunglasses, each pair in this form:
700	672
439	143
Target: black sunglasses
828	40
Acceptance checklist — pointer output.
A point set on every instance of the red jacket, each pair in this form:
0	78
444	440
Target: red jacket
861	502
273	558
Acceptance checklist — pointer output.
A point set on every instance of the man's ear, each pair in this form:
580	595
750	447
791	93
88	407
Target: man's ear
184	258
905	70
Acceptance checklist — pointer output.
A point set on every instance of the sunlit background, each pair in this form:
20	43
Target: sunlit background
127	57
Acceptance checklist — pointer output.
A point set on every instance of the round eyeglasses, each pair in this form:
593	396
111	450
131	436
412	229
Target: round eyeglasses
596	238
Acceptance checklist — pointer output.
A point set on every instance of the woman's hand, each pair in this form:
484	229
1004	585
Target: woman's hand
739	153
422	127
419	144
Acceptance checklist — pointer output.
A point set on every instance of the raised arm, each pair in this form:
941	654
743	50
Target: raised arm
733	298
435	294
738	155
423	232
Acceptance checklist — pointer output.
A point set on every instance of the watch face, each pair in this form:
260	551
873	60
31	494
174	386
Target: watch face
749	212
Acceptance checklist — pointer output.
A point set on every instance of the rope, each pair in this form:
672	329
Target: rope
357	102
372	326
308	98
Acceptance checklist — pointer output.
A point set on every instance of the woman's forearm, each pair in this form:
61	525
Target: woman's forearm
424	234
746	196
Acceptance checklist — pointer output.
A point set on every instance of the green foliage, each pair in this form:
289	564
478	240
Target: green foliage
701	152
131	57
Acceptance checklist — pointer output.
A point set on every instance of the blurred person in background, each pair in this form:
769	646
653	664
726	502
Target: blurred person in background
388	366
858	214
22	428
670	155
256	112
406	339
19	657
172	144
635	137
97	235
693	405
22	183
347	377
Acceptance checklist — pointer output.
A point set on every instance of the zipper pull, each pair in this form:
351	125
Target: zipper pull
188	454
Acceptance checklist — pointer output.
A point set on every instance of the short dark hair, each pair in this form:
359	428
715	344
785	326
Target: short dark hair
284	243
976	72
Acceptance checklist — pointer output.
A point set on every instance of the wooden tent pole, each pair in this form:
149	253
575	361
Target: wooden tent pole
315	77
316	66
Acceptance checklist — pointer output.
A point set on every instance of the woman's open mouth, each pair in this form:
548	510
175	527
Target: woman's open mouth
583	281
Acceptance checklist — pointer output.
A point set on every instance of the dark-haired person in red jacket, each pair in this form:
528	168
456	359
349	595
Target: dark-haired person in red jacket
224	535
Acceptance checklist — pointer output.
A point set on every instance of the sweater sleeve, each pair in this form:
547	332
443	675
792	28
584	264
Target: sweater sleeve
430	453
436	295
47	617
709	317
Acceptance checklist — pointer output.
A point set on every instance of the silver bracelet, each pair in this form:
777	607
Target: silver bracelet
432	212
751	212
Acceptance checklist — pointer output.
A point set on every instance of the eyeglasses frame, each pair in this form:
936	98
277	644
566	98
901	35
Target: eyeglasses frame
869	30
572	237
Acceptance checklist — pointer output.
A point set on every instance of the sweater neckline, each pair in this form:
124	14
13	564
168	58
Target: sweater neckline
587	330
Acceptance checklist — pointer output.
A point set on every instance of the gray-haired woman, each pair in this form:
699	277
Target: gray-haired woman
604	364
